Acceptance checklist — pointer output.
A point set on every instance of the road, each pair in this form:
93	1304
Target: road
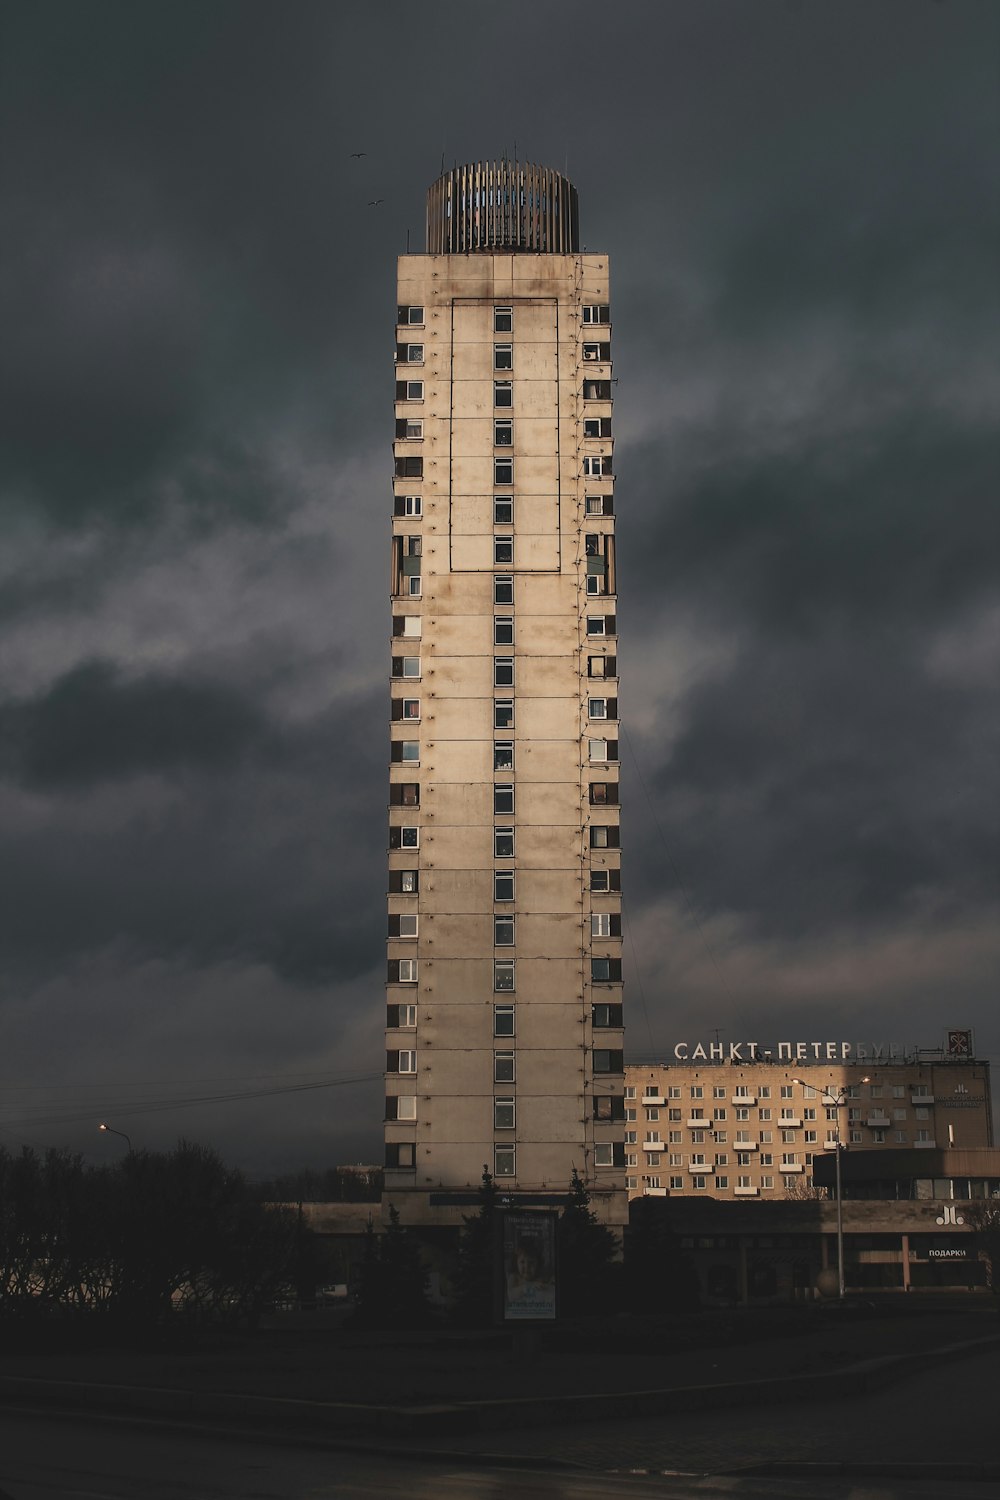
943	1418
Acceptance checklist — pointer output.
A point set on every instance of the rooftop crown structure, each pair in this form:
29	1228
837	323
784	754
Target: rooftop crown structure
504	1004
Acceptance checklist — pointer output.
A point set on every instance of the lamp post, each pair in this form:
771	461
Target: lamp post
837	1101
112	1131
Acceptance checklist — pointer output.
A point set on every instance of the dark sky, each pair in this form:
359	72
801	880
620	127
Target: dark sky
800	204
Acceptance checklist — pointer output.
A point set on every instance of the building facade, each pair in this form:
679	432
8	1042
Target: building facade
752	1127
504	991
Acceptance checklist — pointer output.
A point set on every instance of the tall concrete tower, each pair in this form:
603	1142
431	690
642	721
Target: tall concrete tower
504	994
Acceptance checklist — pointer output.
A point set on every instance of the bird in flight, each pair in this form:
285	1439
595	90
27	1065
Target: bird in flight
374	202
355	154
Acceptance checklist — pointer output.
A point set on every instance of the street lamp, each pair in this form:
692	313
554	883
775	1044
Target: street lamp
112	1131
837	1101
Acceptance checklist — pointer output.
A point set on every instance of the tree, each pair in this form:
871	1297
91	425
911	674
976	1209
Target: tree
393	1288
983	1217
659	1274
474	1278
587	1254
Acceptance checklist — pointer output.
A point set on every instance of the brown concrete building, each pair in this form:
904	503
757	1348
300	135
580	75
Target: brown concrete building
504	991
752	1126
908	1227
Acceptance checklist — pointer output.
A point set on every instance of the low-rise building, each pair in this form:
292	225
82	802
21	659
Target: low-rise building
737	1122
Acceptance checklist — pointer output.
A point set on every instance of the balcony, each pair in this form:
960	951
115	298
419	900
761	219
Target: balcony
743	1098
701	1167
789	1122
739	1145
652	1145
791	1166
878	1122
650	1098
925	1145
921	1098
746	1192
699	1124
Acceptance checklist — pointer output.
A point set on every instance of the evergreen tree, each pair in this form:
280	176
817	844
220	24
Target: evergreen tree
393	1289
474	1279
587	1252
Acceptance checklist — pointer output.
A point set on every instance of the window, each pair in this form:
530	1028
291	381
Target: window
604	837
503	757
605	880
602	708
922	1135
503	843
600	505
601	624
402	925
608	1061
503	471
503	974
719	1112
503	1067
605	924
503	590
401	1107
407	708
597	390
787	1092
595	464
404	882
503	671
811	1137
610	1107
503	1020
503	393
406	667
503	510
503	433
409	354
652	1113
406	625
503	932
400	1154
597	312
876	1091
503	1114
597	352
409	390
899	1091
605	970
503	1161
602	666
503	550
404	838
503	319
409	468
674	1114
407	751
410	428
403	1016
404	794
503	713
605	1016
408	505
857	1136
503	356
503	885
697	1091
597	427
410	315
603	794
503	630
503	797
400	1062
408	970
900	1136
899	1114
878	1136
604	1155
